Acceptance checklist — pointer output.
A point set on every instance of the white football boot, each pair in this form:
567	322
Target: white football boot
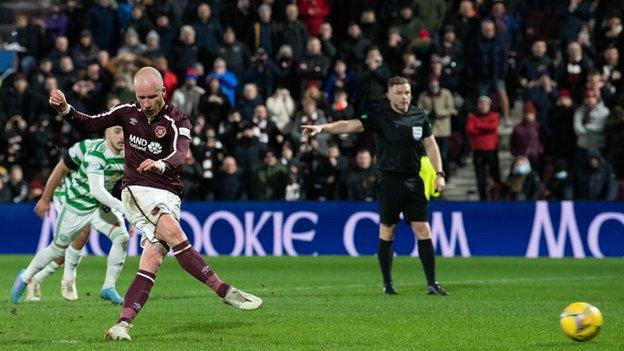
68	290
242	300
33	291
119	331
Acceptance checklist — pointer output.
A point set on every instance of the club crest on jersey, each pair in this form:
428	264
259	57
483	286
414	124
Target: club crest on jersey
417	133
160	131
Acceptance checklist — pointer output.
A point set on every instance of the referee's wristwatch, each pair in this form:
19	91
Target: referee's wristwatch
441	174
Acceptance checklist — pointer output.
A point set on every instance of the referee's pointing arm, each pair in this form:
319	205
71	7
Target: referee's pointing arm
338	127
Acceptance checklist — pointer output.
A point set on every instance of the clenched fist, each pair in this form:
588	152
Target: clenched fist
58	101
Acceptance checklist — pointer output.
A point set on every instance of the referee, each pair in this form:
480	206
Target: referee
402	137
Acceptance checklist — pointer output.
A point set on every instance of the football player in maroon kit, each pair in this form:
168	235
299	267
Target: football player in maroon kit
156	139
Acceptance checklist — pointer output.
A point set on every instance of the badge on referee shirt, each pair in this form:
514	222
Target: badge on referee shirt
417	133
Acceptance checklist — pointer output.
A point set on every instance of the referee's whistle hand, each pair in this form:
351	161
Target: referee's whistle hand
311	130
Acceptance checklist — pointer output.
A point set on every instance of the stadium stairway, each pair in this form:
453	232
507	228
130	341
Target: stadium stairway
462	186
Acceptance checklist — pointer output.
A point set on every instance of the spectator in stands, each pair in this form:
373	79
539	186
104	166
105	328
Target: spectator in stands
314	66
362	178
56	21
103	23
561	140
248	102
614	132
13	141
293	32
392	49
542	95
281	108
265	31
16	101
450	52
263	72
140	22
186	53
374	81
466	23
61	49
166	33
208	30
573	71
5	191
329	174
132	43
589	122
287	69
482	130
86	50
313	14
612	76
227	80
43	71
534	66
249	152
187	97
120	90
152	46
192	177
572	15
170	80
270	179
595	179
526	139
235	53
230	183
507	27
326	37
409	25
610	33
560	187
412	69
353	49
341	78
439	104
491	63
523	183
230	131
265	129
309	115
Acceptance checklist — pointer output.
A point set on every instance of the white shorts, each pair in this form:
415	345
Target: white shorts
144	205
69	224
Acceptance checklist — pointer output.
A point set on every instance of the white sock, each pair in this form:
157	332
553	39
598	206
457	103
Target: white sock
72	260
41	259
45	272
116	258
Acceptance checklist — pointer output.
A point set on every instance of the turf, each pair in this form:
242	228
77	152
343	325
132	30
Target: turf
329	303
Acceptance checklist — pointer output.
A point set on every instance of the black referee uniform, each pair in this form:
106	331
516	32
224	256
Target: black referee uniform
399	149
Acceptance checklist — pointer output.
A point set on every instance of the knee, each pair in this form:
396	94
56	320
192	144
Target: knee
386	232
421	230
119	235
57	250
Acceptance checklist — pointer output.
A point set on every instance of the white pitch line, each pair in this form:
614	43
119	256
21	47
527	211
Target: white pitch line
448	282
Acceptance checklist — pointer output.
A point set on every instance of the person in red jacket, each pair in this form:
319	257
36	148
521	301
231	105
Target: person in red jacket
313	13
482	130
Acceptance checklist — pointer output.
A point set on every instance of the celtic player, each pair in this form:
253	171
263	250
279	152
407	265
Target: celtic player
96	165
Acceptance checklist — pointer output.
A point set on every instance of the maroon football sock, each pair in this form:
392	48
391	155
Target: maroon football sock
137	294
195	264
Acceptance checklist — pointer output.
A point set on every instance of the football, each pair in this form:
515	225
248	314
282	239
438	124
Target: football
581	321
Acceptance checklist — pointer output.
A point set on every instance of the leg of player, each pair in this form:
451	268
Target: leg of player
426	252
114	264
139	289
385	255
73	256
169	230
33	290
41	259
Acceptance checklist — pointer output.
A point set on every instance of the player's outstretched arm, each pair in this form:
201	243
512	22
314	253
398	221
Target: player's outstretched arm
43	205
99	192
338	127
83	122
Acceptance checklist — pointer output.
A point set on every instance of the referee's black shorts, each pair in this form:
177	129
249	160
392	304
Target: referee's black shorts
402	193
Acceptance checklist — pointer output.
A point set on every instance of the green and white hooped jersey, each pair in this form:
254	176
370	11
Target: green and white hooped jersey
92	157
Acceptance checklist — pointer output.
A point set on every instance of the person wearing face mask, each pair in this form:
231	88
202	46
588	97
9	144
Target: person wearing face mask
559	186
523	184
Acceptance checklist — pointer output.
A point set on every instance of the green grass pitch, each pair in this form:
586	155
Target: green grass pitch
328	303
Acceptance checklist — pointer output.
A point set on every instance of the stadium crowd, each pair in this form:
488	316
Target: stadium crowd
249	73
